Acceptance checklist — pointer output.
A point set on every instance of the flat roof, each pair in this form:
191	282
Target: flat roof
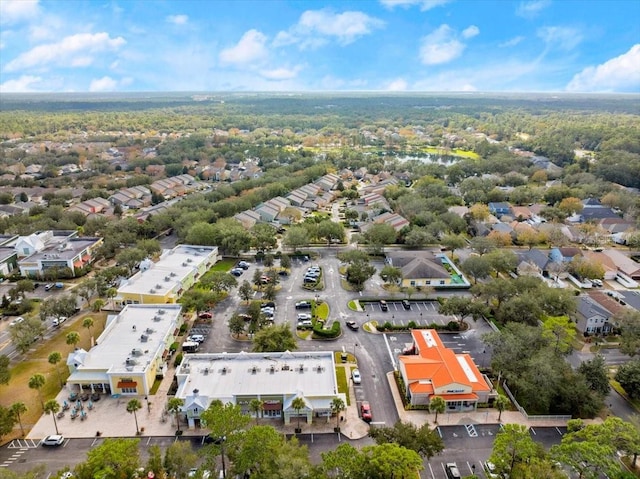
64	249
168	272
218	375
138	334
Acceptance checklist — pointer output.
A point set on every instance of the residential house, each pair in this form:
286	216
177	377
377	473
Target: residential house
623	263
594	313
425	269
247	218
499	209
533	262
431	369
593	210
564	254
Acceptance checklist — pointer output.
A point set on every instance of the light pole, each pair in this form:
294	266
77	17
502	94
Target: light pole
354	351
146	398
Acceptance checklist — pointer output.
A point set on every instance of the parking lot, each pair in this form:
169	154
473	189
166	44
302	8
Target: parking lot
421	312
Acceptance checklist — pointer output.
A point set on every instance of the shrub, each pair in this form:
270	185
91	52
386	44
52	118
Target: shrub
178	360
183	329
331	333
174	347
453	326
412	325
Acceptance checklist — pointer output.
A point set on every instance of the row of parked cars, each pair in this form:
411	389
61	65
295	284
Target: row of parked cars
312	275
240	268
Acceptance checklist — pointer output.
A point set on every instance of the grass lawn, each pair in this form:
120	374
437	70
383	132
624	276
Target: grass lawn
634	402
354	305
36	362
224	265
322	311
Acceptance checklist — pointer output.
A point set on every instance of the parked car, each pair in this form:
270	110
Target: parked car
196	338
236	271
306	324
491	470
365	411
58	321
303	316
352	325
383	305
205	315
303	305
310	279
406	304
53	440
243	265
344	357
355	376
59	285
452	471
48	286
16	321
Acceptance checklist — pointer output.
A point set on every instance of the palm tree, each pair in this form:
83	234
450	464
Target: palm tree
256	407
437	405
175	405
337	406
54	358
52	407
19	408
112	293
132	406
37	382
73	338
298	404
88	323
501	403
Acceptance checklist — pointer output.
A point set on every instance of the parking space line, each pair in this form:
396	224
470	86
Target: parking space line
533	431
393	360
559	431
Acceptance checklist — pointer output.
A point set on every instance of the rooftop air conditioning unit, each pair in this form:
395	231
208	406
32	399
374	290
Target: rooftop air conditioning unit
143	338
272	369
285	367
148	331
136	352
184	264
223	370
158	286
189	260
152	290
157	318
161	311
254	370
166	278
301	368
206	371
172	274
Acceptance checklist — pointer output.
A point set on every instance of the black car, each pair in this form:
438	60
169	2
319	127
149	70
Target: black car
352	325
406	304
303	305
383	305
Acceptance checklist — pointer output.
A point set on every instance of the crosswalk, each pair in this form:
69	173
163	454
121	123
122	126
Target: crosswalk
18	448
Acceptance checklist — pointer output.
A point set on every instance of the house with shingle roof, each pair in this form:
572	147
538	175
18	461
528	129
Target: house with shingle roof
420	268
594	313
432	370
247	218
532	262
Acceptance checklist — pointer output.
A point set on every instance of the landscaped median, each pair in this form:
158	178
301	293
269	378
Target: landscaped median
317	328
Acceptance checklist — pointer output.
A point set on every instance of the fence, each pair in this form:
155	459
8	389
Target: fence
533	418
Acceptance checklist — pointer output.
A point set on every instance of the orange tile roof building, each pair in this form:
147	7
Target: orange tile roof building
431	369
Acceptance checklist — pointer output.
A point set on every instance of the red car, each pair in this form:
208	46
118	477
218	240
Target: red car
205	315
365	411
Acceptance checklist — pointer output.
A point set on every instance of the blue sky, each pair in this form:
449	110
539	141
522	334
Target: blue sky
385	45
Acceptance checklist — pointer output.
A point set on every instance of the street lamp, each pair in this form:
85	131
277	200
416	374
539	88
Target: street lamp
146	398
354	350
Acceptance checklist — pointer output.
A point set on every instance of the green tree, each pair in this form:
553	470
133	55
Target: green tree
437	405
462	306
274	339
358	273
225	422
52	407
482	245
175	406
596	374
5	371
423	440
155	463
86	290
37	382
72	338
628	375
55	358
219	281
331	231
390	460
344	462
114	458
132	406
18	409
7	421
264	236
256	406
179	458
513	445
298	404
628	321
391	275
337	406
130	258
88	323
501	403
477	267
378	235
24	334
245	291
285	261
236	325
296	237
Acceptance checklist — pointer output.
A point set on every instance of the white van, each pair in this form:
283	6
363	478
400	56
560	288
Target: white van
190	346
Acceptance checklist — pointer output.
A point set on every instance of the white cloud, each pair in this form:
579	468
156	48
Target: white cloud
74	50
15	11
23	84
425	5
315	27
532	9
178	19
470	32
250	48
563	38
279	74
512	42
103	84
441	46
399	84
621	73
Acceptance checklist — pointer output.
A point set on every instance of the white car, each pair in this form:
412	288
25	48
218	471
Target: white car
16	321
59	321
355	375
194	473
53	440
196	338
304	316
491	470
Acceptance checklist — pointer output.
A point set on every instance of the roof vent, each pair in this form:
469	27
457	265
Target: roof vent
319	368
206	371
254	370
285	367
161	311
301	368
152	290
224	370
272	369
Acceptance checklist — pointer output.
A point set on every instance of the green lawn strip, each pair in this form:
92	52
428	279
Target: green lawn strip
322	311
354	305
223	265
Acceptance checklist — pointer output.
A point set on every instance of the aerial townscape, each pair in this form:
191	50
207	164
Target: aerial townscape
276	268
